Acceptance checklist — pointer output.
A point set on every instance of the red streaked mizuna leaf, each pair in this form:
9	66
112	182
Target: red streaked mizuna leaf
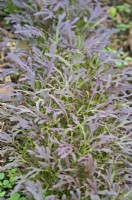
35	189
64	150
89	163
93	185
5	137
58	102
27	31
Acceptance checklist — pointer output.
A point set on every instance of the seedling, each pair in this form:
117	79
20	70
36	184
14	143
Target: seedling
7	182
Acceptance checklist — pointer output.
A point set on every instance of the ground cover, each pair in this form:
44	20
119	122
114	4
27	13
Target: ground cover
65	103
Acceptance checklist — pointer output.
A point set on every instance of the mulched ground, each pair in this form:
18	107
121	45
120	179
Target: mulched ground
124	38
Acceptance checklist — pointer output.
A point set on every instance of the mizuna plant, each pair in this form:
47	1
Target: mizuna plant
70	109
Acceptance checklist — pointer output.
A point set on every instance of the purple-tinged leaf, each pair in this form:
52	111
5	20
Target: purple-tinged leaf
89	164
46	13
5	137
35	189
27	31
65	150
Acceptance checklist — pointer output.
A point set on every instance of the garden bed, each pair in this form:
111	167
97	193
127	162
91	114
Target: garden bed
65	101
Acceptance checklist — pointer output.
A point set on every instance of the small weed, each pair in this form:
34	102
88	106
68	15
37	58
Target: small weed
17	196
113	12
124	27
7	183
124	9
121	62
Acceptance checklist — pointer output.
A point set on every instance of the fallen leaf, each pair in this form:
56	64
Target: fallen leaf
6	89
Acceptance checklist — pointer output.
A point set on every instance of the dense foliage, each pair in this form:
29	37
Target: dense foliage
69	110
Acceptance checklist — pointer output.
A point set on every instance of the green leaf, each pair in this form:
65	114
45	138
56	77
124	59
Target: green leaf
125	63
128	58
110	49
15	196
60	58
124	8
118	64
112	11
2	175
129	194
124	27
23	198
6	184
2	194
